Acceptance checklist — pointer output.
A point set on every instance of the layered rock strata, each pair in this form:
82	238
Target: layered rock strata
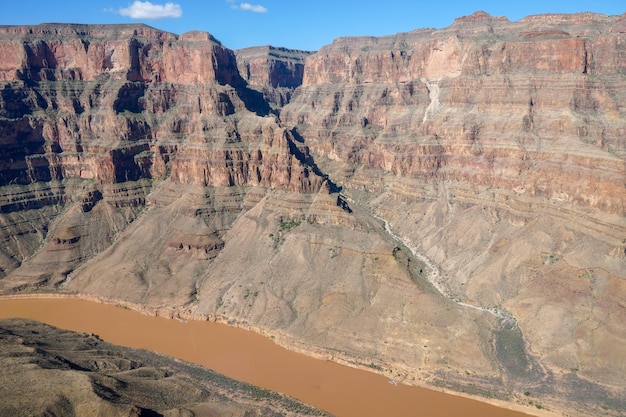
271	66
478	240
497	149
276	72
94	115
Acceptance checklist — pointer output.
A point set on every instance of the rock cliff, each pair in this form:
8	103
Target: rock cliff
271	66
453	199
276	72
496	148
528	106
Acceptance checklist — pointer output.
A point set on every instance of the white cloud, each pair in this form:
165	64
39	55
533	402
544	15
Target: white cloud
256	8
147	10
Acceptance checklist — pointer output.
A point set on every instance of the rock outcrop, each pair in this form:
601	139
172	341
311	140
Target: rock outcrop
269	66
92	117
478	239
276	72
115	103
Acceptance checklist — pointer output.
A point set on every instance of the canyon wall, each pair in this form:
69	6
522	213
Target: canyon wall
445	207
93	117
498	150
275	72
531	106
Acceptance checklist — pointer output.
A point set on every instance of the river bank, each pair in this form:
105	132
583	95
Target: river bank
341	390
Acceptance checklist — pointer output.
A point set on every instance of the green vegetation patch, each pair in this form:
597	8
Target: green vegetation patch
284	227
288	225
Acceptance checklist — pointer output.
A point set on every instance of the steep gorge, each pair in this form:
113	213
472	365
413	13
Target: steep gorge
171	173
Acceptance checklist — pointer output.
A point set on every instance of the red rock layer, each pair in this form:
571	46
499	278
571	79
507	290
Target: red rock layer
121	103
131	52
535	106
268	66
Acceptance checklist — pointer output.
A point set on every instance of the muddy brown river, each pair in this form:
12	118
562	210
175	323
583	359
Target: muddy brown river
247	356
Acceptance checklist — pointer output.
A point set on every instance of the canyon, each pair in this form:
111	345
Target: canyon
444	207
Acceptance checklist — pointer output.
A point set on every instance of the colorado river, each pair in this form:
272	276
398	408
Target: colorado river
247	356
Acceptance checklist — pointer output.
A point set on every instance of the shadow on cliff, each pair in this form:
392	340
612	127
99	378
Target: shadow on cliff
253	100
16	103
303	155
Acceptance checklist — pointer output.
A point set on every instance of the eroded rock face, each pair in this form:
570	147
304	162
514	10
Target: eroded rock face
532	106
116	104
126	52
276	72
496	148
93	116
271	66
169	172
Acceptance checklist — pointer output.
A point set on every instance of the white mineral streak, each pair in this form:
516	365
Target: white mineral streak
433	93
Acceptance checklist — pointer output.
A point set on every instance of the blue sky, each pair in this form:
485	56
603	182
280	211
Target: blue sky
299	24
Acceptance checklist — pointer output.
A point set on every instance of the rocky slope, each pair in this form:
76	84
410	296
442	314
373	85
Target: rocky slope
51	372
96	114
478	241
497	148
